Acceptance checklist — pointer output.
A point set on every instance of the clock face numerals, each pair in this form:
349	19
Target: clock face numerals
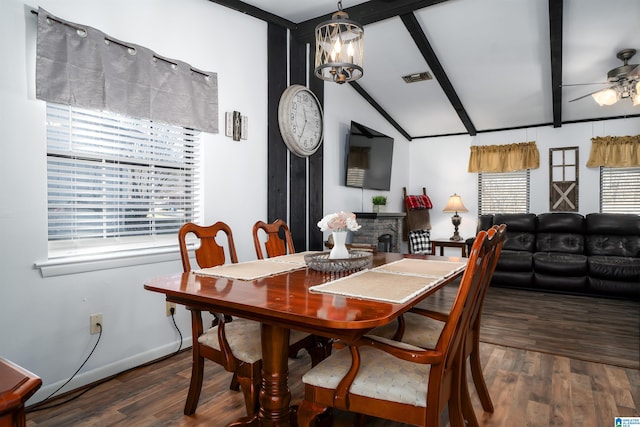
300	120
306	120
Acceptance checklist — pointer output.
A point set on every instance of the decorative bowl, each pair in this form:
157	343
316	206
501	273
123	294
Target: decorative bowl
357	260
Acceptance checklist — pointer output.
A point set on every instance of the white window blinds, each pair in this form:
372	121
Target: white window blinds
620	190
112	178
506	192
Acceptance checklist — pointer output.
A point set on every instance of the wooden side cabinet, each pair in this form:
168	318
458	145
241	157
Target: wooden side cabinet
16	386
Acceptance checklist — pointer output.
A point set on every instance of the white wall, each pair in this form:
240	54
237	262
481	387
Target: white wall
44	323
343	104
440	164
443	178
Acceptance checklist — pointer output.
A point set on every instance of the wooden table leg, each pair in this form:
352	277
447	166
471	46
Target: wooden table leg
275	396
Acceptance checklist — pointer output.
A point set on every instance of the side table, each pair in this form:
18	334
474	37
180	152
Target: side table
16	386
446	243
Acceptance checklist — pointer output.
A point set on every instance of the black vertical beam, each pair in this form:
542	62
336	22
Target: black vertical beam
277	152
316	174
420	38
298	165
555	36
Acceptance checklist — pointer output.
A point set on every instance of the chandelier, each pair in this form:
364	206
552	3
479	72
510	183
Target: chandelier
623	90
339	48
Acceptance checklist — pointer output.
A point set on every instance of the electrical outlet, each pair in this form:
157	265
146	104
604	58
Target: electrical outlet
170	305
95	319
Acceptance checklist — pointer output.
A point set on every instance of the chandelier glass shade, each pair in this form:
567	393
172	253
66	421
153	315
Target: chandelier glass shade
339	49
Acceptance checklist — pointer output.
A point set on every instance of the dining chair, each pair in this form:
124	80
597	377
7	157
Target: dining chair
232	344
421	327
278	239
275	238
397	381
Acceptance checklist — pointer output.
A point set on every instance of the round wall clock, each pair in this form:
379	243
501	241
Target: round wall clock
300	120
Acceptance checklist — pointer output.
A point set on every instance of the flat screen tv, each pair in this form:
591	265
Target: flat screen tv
369	158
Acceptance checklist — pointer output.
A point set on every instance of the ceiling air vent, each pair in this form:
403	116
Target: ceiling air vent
417	77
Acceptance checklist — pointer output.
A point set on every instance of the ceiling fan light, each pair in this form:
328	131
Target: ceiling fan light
605	97
636	96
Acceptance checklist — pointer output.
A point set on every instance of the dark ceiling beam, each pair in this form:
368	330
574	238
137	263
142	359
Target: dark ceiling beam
380	110
420	38
555	36
367	13
250	10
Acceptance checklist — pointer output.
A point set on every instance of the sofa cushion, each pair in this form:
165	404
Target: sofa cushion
515	261
615	268
485	221
521	231
613	235
559	264
560	232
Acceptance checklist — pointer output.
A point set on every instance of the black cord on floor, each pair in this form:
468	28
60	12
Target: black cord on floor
38	406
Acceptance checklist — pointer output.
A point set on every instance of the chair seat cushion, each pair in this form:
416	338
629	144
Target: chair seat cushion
381	376
243	337
421	331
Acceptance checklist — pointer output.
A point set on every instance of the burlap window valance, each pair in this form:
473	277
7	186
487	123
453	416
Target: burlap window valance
614	151
504	158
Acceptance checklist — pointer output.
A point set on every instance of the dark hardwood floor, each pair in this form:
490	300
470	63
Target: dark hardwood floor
529	388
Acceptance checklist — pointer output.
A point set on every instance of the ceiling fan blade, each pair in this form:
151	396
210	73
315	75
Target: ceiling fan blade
589	94
585	84
634	74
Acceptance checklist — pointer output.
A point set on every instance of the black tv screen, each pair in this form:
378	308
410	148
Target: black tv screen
369	158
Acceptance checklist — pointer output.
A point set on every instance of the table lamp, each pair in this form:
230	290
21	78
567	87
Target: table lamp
455	205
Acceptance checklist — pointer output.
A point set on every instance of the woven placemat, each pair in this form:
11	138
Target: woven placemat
297	258
375	285
251	270
423	267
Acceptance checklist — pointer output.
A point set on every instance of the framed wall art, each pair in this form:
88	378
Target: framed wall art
563	179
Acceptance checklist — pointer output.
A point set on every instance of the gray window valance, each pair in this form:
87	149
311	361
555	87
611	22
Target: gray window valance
80	66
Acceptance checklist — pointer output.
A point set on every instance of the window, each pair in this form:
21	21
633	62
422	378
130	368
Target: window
504	192
116	183
619	190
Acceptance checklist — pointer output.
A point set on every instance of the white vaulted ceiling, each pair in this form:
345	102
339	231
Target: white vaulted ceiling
495	57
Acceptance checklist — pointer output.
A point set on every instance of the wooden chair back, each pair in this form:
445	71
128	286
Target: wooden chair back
208	253
278	242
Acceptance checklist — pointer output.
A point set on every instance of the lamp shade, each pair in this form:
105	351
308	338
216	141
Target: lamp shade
455	205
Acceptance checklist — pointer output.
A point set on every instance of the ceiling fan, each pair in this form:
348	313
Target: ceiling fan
624	82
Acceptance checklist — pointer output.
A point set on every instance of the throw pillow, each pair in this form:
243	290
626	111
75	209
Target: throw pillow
420	242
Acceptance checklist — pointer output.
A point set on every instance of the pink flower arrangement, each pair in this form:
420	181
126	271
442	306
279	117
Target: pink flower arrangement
341	221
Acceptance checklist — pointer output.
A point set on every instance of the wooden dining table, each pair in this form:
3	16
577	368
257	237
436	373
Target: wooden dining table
283	302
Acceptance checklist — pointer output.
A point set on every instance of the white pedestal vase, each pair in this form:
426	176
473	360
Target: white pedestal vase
339	250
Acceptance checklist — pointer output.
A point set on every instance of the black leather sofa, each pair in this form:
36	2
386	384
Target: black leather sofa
596	254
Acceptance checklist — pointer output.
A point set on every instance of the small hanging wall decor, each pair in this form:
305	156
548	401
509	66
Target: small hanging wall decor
236	125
